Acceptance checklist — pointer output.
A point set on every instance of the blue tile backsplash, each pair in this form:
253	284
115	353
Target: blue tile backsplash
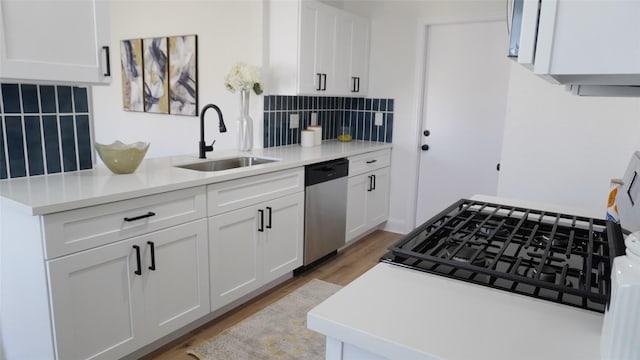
44	129
332	114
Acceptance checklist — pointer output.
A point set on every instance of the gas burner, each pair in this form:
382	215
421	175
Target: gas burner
466	253
559	240
489	227
547	273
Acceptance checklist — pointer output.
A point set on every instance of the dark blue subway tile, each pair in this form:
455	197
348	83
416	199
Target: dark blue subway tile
15	146
3	161
51	143
376	104
272	102
360	103
383	104
368	104
48	99
29	98
83	132
34	145
11	99
80	99
68	143
390	104
389	122
64	99
366	131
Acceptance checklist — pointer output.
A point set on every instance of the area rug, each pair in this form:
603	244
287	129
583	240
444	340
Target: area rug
278	331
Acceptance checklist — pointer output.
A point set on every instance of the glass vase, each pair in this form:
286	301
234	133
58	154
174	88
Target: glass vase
245	123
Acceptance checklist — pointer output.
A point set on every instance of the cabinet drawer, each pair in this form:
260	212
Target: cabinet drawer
80	229
236	194
360	164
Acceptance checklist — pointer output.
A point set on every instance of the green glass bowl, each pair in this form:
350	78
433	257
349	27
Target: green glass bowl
122	158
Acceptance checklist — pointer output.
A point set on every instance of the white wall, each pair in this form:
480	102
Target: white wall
562	148
228	31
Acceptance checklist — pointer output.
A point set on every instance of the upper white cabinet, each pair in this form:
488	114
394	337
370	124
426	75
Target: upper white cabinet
316	49
578	42
62	41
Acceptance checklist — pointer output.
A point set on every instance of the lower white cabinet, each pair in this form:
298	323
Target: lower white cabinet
367	201
109	301
253	246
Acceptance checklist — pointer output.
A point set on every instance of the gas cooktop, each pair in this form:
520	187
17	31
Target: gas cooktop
547	255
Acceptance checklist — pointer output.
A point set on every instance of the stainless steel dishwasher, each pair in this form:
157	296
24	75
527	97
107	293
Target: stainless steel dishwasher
325	215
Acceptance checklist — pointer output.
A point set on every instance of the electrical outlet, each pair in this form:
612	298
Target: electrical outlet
314	118
294	121
378	119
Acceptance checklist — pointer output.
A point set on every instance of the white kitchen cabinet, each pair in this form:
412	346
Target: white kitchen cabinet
558	41
108	301
368	192
323	52
256	228
62	41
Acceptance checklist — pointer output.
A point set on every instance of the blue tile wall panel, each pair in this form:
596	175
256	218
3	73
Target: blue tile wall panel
332	113
44	129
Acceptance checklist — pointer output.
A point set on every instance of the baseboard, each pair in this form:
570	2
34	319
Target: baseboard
398	226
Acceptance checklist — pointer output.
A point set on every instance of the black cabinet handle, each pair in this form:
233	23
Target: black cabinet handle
153	255
319	88
261	228
371	161
353	88
149	214
139	271
324	88
106	52
370	182
358	82
269	217
374	182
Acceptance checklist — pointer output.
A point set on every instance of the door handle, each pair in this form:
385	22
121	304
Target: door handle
139	267
353	81
370	183
108	63
424	147
261	228
358	88
324	88
149	214
319	88
374	182
152	247
269	217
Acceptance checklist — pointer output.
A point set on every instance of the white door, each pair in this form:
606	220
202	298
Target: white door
467	73
282	241
234	260
176	277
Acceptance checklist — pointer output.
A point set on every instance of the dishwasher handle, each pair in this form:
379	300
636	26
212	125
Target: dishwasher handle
326	171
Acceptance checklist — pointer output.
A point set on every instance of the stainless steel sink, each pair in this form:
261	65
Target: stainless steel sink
225	164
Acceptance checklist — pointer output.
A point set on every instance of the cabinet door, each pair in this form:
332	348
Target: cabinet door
378	198
317	31
282	244
54	40
341	81
94	297
176	277
359	60
357	205
235	267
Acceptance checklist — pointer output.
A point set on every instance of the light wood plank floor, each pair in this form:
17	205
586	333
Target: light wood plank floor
342	269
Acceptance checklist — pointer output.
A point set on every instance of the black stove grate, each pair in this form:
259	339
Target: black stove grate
547	255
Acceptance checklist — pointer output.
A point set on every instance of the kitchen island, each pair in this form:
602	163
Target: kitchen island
393	312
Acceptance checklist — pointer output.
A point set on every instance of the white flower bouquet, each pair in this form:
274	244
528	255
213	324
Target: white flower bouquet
243	77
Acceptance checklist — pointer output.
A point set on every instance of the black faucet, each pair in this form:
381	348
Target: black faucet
204	148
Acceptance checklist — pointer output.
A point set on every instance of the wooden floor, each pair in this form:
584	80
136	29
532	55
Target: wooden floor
342	269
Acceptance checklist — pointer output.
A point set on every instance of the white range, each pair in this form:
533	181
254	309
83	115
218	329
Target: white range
393	312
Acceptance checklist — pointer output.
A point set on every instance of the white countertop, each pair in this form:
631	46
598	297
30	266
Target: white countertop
400	313
65	191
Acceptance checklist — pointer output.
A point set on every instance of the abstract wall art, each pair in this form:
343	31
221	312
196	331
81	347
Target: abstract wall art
160	75
131	63
156	70
183	85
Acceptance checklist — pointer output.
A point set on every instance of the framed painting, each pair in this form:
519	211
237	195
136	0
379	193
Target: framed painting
183	75
156	71
131	63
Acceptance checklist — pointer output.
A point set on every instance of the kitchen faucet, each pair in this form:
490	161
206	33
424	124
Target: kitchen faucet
204	148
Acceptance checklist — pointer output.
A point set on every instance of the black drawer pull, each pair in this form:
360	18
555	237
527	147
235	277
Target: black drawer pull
371	161
139	271
106	51
370	182
153	255
149	214
261	228
374	182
